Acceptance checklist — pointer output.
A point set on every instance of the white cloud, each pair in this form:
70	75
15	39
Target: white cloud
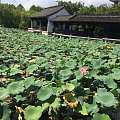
92	2
43	3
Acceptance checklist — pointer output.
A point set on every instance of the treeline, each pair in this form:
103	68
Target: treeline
79	8
16	17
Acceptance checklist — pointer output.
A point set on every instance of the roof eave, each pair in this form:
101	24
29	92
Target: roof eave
36	17
46	16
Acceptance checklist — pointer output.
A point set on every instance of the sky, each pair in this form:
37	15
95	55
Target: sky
46	3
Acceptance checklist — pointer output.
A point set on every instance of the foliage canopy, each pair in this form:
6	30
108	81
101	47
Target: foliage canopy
42	77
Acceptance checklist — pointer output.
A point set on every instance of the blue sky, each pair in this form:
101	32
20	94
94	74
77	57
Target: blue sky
46	3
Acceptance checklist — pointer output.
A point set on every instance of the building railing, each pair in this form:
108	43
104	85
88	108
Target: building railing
89	38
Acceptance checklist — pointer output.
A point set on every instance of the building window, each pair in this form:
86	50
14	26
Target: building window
58	27
74	27
38	22
80	28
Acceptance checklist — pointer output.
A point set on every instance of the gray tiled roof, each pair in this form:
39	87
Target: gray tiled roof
87	18
95	18
62	18
48	11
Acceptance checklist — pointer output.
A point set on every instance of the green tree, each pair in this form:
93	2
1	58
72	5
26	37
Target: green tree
20	7
72	8
35	8
17	17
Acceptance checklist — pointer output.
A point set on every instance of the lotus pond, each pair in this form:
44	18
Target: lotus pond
49	78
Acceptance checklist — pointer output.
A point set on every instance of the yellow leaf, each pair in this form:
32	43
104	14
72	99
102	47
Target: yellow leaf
70	100
19	110
84	110
32	61
19	117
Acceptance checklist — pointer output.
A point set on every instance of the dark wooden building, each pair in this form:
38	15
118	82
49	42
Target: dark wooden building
57	20
93	26
43	20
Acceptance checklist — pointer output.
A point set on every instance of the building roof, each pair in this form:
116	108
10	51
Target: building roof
95	18
87	18
115	1
48	11
62	18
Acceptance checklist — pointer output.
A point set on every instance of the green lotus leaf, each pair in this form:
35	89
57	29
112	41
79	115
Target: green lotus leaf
65	74
3	93
71	64
118	90
41	60
92	74
32	68
92	108
6	112
98	116
14	71
84	110
33	113
111	84
44	93
29	81
55	105
96	63
19	98
3	69
70	86
116	74
106	99
16	87
45	106
78	75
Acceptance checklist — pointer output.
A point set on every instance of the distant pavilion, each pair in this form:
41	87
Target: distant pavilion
57	19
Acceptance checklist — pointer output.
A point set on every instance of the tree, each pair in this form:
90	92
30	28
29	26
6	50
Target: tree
18	17
11	16
72	8
20	7
35	8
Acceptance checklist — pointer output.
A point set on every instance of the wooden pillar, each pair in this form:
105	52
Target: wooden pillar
64	27
116	2
40	26
70	28
31	24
